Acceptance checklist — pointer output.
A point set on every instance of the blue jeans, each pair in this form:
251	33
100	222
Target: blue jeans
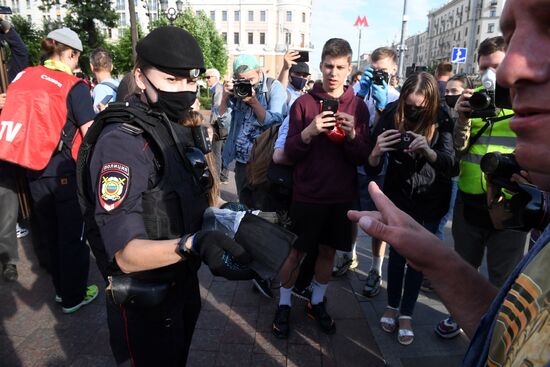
441	229
404	299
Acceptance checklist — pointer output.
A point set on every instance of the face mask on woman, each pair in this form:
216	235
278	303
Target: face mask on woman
174	104
413	114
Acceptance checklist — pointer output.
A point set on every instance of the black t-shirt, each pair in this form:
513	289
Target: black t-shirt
79	112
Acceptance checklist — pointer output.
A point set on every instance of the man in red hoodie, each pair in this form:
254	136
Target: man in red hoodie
327	148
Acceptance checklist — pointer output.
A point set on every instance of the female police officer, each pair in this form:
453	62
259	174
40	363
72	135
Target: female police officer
146	197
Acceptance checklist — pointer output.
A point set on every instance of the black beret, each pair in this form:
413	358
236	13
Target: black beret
172	50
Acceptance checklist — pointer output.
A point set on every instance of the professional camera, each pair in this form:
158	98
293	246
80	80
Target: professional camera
242	88
500	164
483	104
525	207
378	76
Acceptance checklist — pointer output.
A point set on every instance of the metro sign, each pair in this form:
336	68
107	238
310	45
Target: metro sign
361	21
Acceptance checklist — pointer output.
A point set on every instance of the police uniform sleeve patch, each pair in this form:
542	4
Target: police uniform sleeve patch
113	185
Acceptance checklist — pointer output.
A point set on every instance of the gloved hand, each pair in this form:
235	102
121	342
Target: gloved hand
224	256
380	95
365	83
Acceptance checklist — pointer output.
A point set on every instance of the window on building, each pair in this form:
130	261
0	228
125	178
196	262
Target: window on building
302	40
213	14
224	37
262	38
289	16
303	17
236	38
224	15
250	15
28	4
29	18
197	13
262	61
490	27
250	38
288	38
122	20
466	32
120	4
478	27
493	13
237	16
262	16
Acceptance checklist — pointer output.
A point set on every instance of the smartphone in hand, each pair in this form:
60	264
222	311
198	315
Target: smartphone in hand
106	99
304	56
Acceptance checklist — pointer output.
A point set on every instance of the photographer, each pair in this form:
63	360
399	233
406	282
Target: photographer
416	134
507	326
473	231
252	102
212	77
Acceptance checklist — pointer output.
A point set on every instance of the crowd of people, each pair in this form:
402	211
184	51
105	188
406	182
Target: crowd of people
131	181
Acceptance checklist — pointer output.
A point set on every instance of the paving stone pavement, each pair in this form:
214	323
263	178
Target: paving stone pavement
233	328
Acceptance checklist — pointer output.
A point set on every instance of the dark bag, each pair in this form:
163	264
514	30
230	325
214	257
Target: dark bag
280	175
125	289
261	156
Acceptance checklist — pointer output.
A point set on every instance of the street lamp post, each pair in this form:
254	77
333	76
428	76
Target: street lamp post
402	46
171	13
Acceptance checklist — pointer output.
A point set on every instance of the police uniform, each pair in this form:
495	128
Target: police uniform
137	183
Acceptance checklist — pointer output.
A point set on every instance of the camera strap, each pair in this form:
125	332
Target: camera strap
488	122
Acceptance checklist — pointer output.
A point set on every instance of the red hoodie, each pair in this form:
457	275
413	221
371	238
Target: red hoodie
326	172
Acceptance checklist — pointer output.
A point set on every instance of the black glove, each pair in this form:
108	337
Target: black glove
224	256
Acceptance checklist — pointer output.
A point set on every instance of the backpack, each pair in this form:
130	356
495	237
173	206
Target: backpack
261	155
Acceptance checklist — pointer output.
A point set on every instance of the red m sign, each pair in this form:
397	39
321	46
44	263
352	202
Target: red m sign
361	21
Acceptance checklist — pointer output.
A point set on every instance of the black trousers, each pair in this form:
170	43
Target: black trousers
58	225
155	336
9	207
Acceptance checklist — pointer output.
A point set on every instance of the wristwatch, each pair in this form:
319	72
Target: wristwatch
182	250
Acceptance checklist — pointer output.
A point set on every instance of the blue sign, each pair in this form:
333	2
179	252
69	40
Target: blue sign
459	55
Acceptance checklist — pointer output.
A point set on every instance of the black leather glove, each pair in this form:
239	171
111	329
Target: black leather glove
224	256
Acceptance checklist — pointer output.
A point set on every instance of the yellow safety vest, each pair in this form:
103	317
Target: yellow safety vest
498	137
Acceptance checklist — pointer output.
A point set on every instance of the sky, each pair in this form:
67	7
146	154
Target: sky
332	18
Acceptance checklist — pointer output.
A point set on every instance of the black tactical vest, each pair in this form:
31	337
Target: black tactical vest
174	205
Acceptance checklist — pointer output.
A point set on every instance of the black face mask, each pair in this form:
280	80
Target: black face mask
451	100
174	104
297	82
413	114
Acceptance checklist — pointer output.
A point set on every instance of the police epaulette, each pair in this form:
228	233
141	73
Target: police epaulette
131	129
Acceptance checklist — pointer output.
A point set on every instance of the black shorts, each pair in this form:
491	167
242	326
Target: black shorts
321	224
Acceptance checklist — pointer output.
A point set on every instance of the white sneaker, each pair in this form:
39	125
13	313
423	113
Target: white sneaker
20	231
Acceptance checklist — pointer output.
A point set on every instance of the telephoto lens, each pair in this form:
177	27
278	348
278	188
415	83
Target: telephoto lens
500	164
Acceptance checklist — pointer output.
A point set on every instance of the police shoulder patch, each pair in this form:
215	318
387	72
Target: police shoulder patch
113	185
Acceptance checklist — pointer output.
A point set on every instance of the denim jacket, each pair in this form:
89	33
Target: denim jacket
244	125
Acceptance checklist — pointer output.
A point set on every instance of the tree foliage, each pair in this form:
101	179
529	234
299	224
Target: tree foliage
30	36
122	52
205	32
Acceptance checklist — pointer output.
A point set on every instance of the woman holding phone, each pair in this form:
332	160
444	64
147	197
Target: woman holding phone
416	134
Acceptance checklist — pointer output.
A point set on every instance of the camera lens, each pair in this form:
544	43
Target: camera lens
480	101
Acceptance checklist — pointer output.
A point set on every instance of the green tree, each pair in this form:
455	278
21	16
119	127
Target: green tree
205	32
122	52
84	16
30	36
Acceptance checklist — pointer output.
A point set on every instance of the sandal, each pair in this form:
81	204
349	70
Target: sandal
388	323
405	336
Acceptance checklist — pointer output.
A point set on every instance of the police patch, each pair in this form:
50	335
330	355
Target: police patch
113	185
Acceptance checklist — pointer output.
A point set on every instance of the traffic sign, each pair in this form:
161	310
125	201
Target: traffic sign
459	55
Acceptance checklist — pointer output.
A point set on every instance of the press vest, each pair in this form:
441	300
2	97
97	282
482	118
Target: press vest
34	115
498	137
176	203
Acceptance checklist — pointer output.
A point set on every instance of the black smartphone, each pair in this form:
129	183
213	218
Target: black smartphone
304	56
106	99
328	104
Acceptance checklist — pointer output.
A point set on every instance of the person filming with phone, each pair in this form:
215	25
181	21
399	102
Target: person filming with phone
416	134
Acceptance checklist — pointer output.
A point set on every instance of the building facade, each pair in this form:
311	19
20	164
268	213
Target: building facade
264	28
459	23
